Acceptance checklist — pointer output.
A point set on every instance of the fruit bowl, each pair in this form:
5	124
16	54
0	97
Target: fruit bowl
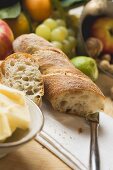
21	137
105	82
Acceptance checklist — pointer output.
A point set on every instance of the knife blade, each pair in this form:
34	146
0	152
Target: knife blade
94	158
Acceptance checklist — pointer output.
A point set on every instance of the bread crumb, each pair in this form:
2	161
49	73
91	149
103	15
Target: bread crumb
80	130
43	147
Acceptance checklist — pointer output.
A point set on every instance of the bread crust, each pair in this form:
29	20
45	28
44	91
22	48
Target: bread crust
19	45
54	86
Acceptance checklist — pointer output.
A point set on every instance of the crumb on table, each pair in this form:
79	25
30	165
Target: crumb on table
80	130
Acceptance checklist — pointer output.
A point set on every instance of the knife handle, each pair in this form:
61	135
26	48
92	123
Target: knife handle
94	162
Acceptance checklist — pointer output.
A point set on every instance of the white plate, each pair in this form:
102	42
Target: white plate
21	137
61	135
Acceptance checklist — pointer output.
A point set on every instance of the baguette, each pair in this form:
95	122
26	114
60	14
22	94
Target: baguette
21	71
66	88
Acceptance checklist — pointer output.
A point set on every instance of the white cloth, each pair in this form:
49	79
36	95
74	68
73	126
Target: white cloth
63	136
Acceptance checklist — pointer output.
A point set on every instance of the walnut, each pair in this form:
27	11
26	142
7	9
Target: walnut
94	47
105	65
112	93
106	57
111	69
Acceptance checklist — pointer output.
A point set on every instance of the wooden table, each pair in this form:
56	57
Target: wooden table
34	156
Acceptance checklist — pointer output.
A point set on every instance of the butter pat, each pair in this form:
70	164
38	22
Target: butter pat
14	112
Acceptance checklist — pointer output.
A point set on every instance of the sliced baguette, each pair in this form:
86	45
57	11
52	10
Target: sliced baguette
66	88
21	71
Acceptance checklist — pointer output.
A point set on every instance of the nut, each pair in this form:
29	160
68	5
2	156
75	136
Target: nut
112	92
94	47
106	57
111	69
104	64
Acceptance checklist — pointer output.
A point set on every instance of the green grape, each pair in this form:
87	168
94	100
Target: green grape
61	22
71	32
51	23
72	41
43	31
64	31
59	34
66	47
57	44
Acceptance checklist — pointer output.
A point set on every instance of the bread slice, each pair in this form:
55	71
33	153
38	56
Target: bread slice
21	71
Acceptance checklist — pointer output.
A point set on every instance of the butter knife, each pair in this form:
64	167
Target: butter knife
94	158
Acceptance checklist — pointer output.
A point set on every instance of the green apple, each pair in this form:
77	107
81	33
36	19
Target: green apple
87	65
102	29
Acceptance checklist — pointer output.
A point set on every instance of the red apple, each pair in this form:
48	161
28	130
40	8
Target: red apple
6	38
102	29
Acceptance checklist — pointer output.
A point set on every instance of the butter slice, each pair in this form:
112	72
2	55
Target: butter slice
5	130
14	112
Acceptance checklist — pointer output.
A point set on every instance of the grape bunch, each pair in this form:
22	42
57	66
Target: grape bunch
58	34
